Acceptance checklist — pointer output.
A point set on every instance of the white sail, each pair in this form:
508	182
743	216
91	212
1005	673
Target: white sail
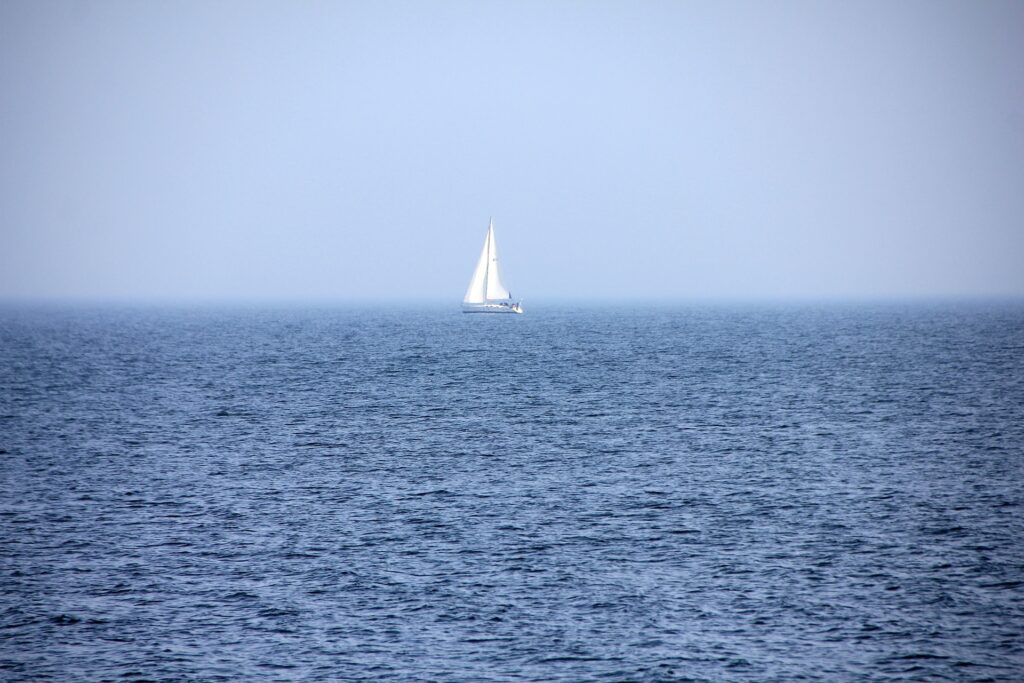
486	284
477	291
496	290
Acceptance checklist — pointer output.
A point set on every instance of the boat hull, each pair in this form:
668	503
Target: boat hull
492	308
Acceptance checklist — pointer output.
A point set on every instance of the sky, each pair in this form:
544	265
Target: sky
333	151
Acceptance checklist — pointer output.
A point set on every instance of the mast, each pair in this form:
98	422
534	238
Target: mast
487	248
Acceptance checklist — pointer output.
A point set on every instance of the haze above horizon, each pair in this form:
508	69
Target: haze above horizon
354	151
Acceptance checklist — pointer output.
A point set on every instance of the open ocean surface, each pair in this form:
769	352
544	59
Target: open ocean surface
719	493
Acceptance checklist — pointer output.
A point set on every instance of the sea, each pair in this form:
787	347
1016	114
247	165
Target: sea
627	492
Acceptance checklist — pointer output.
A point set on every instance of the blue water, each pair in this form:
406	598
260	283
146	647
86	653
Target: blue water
625	494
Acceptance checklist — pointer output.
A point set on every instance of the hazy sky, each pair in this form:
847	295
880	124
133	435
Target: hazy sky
353	150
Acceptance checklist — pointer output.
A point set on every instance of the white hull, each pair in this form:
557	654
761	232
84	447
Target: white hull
492	308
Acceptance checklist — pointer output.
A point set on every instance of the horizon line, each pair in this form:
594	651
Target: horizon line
395	302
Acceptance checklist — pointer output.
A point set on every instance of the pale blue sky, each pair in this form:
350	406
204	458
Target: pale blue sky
355	150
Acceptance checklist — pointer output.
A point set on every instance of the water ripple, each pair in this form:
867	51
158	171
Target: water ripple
652	494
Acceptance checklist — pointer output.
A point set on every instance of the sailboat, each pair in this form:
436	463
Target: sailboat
487	293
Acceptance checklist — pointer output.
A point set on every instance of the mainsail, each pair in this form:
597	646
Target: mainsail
486	284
